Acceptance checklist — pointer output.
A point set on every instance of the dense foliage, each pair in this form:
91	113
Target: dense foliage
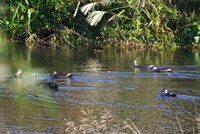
73	22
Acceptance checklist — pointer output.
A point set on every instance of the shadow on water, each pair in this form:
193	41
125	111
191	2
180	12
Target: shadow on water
104	85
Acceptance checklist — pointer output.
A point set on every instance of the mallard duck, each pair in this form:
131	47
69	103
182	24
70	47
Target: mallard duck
55	75
155	69
51	85
18	74
140	66
166	93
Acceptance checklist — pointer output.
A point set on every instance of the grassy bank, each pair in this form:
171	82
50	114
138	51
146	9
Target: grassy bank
69	23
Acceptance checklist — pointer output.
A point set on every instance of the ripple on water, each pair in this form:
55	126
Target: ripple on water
179	97
120	90
99	103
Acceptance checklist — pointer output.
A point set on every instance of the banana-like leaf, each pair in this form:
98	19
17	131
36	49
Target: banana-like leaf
107	2
76	9
87	8
94	17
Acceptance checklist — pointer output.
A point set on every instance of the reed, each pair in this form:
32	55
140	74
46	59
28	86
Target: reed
105	123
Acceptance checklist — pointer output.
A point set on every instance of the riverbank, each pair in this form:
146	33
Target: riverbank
125	24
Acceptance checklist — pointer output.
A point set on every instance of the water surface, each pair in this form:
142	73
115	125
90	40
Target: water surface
103	82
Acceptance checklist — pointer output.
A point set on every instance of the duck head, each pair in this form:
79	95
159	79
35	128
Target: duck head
53	73
134	62
164	90
152	67
19	72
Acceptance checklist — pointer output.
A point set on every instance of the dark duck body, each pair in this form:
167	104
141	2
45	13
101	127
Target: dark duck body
141	66
56	75
165	92
155	69
18	74
51	85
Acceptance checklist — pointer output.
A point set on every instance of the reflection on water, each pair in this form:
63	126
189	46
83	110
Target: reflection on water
92	66
106	89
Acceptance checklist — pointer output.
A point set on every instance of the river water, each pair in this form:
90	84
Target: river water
106	95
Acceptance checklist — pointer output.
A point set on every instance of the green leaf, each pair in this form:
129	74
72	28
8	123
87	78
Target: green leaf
27	3
30	11
197	38
1	22
22	17
7	22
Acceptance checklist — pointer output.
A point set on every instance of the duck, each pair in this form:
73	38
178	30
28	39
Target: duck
51	85
18	74
166	93
140	66
55	75
155	69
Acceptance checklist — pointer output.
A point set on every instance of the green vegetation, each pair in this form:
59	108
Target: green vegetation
69	23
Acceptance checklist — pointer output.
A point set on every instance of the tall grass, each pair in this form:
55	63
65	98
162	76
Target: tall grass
105	123
91	121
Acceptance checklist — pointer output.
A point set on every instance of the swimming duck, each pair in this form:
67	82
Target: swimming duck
140	66
51	84
155	69
166	93
55	75
18	74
